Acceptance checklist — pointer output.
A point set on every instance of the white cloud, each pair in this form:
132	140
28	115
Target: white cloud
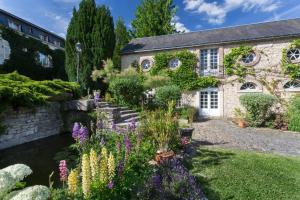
180	27
216	12
287	14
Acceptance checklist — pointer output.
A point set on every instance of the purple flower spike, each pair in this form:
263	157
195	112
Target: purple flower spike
120	167
96	97
75	132
132	125
110	185
113	126
127	144
83	134
63	171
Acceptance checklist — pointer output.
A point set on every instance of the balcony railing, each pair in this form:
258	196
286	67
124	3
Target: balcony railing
212	72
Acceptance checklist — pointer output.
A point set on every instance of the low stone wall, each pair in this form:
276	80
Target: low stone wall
29	124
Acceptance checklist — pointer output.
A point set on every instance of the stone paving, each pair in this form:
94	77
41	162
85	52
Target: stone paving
222	133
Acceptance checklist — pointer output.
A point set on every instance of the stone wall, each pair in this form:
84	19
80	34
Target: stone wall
29	124
25	124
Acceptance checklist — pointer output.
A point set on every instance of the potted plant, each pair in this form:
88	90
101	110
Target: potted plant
239	116
186	129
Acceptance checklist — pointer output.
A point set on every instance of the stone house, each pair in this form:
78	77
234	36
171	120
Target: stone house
210	46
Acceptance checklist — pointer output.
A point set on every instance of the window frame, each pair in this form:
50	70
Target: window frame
297	60
150	64
209	60
295	89
170	63
255	90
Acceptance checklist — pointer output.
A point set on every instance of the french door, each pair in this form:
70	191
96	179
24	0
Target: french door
210	102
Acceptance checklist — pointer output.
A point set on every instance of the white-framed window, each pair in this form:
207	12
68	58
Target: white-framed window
249	87
14	25
57	43
44	38
293	54
4	50
209	60
45	60
249	58
174	63
146	64
292	85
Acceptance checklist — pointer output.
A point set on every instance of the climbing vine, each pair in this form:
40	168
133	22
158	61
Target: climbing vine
289	68
185	76
233	64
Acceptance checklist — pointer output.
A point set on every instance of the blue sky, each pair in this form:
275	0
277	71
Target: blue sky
192	15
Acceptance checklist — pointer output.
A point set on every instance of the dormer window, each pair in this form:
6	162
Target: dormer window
14	25
293	54
44	38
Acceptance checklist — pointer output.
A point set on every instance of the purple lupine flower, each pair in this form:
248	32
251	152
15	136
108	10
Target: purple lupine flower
127	144
75	131
96	97
120	167
113	126
132	125
118	147
83	134
100	124
110	185
63	171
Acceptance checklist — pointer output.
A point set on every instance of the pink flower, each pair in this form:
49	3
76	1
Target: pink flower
185	141
63	171
110	185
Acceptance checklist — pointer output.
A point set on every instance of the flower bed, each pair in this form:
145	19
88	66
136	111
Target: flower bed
118	163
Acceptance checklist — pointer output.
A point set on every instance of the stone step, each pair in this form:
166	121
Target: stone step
124	117
124	124
127	111
137	118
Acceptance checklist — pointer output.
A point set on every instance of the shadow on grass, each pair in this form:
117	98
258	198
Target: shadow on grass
198	159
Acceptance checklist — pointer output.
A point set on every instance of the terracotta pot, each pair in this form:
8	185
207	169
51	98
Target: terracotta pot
160	157
241	123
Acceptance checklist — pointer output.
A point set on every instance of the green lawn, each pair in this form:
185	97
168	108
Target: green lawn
232	174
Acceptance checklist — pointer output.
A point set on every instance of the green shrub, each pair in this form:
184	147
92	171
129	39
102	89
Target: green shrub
165	94
294	114
19	90
258	107
127	90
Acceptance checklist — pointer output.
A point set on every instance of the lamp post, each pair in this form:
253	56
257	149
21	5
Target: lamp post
78	51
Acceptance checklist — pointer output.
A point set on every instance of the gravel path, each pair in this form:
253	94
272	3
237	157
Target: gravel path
224	133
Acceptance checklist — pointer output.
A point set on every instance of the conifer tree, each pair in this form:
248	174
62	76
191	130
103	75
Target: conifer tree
154	17
122	38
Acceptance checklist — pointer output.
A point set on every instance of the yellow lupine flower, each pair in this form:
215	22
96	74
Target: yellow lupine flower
103	165
111	167
94	164
86	176
72	182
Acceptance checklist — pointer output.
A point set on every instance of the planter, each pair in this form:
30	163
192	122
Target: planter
186	132
165	156
241	123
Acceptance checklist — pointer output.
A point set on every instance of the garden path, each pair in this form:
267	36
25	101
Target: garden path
222	133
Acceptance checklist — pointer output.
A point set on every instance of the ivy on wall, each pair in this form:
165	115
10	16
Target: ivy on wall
185	76
289	68
233	64
25	62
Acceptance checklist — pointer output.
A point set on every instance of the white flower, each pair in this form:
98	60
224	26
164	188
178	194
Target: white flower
18	171
37	192
7	183
10	175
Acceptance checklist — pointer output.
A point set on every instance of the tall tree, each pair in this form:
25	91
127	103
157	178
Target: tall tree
122	38
103	36
93	28
154	17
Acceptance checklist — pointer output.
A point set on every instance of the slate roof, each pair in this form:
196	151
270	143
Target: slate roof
260	31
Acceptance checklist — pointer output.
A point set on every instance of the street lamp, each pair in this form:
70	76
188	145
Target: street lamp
78	51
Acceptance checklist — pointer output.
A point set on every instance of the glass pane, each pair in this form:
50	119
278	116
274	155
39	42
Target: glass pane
203	59
204	100
214	59
214	100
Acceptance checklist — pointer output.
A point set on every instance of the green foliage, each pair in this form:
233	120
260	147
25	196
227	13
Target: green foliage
156	81
258	107
122	38
232	63
105	74
294	114
127	90
18	90
185	76
289	68
165	94
153	17
25	62
93	27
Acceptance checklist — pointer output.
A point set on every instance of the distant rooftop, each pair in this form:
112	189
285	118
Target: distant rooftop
29	23
243	33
